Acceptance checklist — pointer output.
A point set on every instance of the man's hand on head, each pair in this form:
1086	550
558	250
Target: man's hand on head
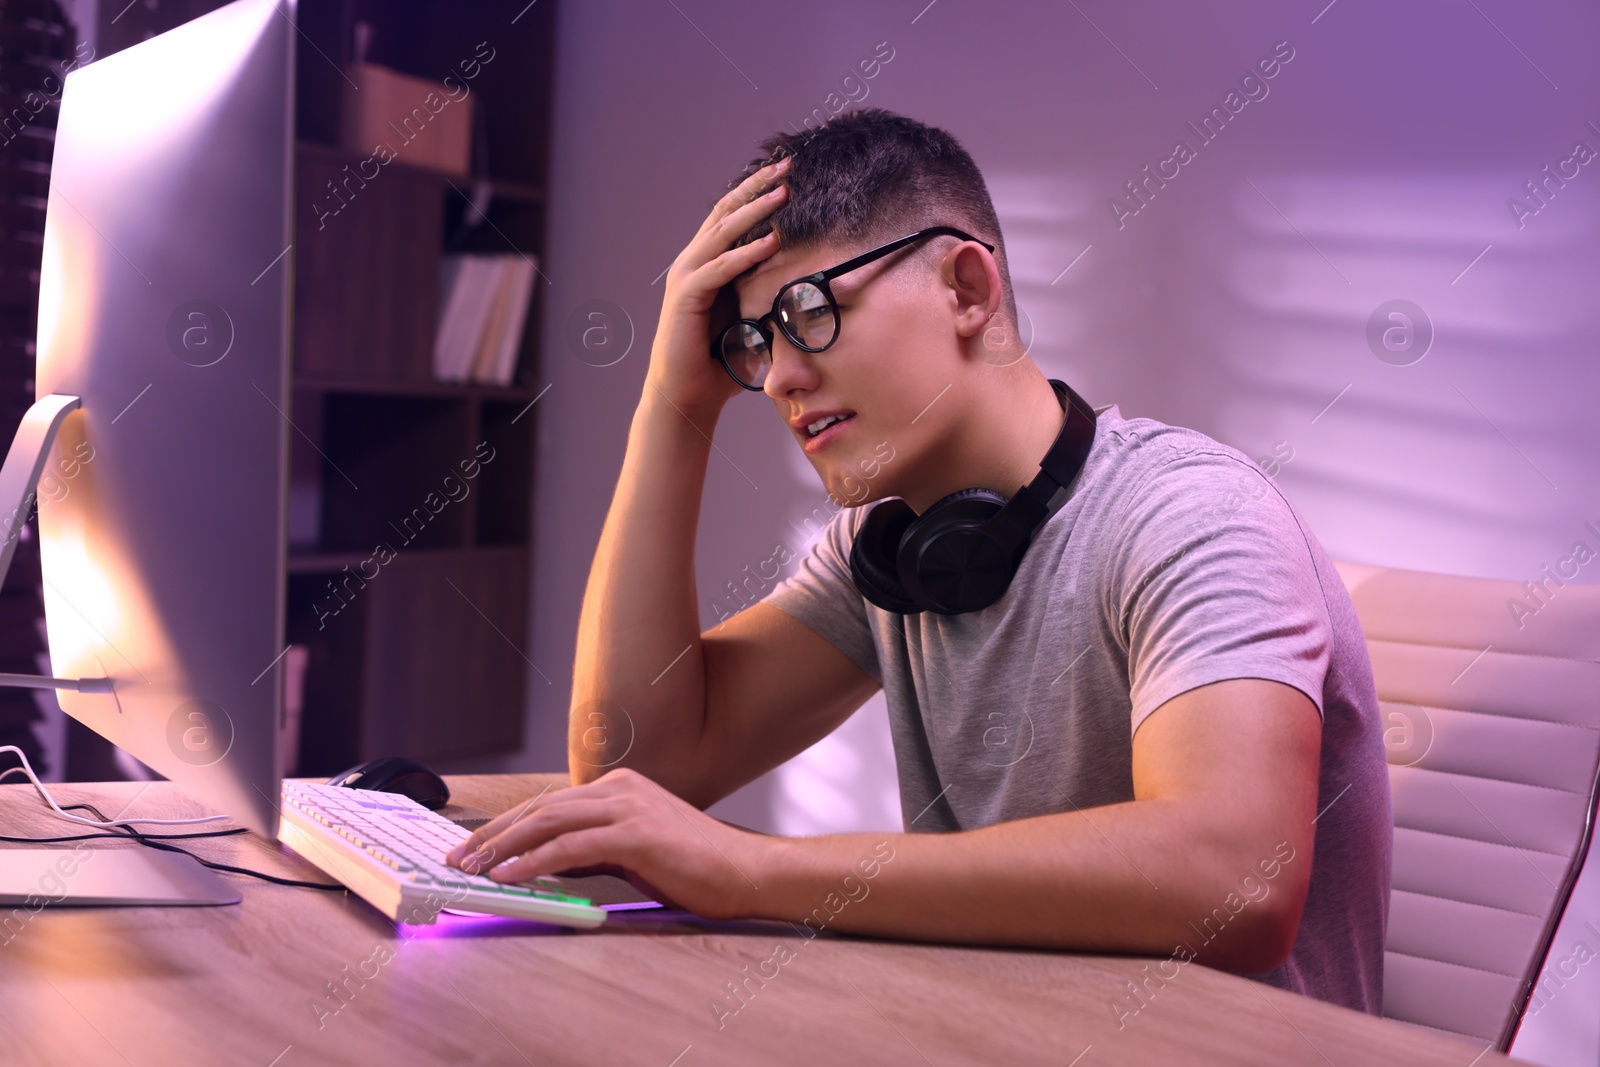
623	824
698	292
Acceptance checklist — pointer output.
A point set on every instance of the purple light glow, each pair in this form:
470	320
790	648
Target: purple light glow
453	924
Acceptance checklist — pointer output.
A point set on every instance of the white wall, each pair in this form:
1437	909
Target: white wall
1378	167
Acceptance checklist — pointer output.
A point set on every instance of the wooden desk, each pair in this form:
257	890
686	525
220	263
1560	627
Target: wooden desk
248	984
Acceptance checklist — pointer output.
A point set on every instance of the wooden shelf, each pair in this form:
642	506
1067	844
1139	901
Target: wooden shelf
502	188
315	561
446	390
513	191
303	559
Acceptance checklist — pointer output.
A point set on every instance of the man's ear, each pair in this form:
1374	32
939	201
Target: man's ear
974	277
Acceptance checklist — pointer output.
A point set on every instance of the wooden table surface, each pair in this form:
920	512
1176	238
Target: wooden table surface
249	984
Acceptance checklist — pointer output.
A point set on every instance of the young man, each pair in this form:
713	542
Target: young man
1160	736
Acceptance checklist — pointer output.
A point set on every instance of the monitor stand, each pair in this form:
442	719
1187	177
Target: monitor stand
19	480
32	878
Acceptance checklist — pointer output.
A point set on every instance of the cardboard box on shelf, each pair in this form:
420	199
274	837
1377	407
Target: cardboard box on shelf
420	120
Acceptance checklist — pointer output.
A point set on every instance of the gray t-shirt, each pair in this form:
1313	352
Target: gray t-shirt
1171	562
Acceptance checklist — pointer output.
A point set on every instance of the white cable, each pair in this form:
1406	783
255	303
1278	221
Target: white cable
27	769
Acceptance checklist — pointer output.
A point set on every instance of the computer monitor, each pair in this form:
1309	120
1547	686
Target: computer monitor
164	306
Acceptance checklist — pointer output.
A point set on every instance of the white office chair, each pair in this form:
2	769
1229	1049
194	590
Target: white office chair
1492	720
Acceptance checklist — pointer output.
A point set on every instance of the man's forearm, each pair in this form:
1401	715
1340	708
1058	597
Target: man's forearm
640	612
1135	877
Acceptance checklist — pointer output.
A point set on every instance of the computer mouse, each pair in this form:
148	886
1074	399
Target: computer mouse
396	774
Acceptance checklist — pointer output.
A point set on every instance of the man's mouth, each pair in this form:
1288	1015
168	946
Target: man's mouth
826	421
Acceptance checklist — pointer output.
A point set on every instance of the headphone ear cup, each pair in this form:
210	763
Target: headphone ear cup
947	564
872	557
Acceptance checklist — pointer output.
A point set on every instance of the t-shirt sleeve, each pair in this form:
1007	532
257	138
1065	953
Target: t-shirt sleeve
821	594
1213	579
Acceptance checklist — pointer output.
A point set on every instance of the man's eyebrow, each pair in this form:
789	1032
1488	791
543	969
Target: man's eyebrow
750	313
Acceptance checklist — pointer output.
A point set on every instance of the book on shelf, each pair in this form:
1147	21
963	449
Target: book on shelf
483	307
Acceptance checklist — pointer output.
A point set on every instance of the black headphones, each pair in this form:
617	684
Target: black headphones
961	554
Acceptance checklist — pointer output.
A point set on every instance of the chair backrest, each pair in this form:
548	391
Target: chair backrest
1490	694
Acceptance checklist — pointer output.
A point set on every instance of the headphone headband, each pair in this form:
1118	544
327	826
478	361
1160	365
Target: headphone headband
1015	523
962	552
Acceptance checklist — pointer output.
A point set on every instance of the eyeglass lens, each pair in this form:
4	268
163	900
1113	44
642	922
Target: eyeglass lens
746	353
807	316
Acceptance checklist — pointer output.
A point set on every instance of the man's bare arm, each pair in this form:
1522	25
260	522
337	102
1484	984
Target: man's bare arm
700	714
1225	782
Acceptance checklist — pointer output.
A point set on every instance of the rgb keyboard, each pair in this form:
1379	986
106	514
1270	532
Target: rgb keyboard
389	850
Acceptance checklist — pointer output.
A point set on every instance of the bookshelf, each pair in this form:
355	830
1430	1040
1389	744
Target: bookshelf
421	653
411	499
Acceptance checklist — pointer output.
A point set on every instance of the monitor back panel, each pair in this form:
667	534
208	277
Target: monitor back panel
164	304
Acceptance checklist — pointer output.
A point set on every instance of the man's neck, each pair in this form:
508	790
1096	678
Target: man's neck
998	442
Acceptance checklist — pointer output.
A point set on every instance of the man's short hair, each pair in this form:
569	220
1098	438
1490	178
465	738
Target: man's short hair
867	176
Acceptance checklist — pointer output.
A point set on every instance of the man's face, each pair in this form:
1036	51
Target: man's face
895	352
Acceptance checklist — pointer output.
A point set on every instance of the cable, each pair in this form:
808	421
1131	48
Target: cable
122	832
232	870
27	769
98	814
149	841
124	837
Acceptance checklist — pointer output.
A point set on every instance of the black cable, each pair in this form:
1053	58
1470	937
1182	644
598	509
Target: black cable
238	870
98	814
153	841
108	833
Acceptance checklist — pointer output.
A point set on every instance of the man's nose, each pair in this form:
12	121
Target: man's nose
793	369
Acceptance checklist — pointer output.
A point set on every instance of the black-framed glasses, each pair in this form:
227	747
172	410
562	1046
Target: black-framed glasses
805	311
